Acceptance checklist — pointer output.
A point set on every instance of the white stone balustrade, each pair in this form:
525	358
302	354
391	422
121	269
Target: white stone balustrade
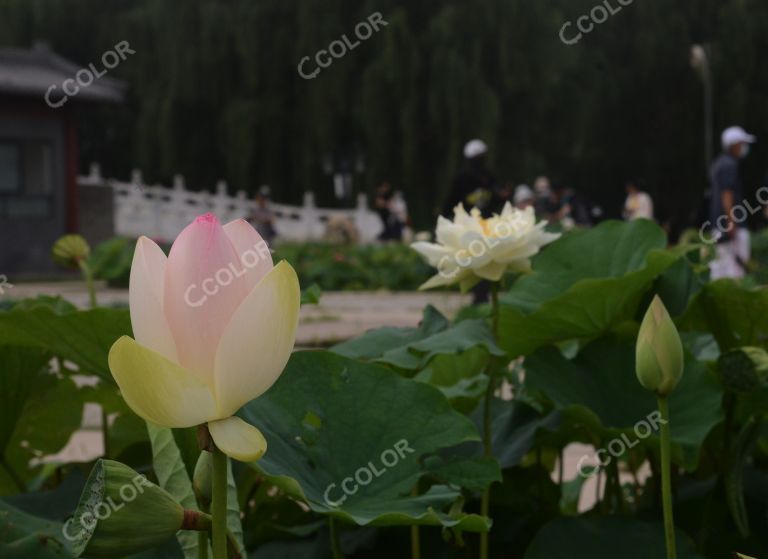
161	213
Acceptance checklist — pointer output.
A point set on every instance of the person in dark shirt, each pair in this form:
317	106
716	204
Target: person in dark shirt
474	186
392	227
262	217
730	233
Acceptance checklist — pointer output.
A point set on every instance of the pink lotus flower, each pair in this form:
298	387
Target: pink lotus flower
215	324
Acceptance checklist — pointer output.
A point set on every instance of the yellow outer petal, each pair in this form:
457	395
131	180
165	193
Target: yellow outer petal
238	439
158	389
257	342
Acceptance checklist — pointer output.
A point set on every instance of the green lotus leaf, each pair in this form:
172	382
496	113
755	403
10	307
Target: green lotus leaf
352	439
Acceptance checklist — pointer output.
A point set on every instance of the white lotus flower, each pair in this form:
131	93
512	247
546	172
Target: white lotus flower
471	248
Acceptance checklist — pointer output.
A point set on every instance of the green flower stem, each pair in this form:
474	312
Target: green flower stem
219	503
202	545
415	542
666	478
85	269
335	543
204	537
415	534
88	277
105	431
488	401
495	311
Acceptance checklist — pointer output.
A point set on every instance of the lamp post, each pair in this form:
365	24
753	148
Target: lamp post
700	63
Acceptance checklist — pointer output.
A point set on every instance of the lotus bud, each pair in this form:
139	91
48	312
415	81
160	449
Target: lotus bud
743	369
202	481
70	250
202	353
659	351
121	513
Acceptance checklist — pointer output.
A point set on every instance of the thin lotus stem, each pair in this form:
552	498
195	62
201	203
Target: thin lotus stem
202	545
105	431
335	542
666	478
487	423
415	542
598	480
203	537
219	504
607	492
415	535
495	310
88	277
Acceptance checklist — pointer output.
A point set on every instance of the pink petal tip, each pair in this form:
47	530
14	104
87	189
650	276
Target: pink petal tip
206	218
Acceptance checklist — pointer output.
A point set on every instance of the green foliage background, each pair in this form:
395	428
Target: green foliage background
215	92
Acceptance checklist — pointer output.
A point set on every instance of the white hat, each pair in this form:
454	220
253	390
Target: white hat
473	148
736	135
522	193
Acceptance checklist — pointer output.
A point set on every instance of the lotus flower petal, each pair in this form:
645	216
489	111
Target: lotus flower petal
158	389
254	257
432	252
258	340
491	271
202	292
145	298
238	439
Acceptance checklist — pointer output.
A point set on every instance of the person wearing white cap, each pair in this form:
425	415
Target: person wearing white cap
475	147
474	186
524	197
731	234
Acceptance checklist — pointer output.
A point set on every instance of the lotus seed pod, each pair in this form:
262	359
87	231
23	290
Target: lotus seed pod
70	250
659	351
743	369
121	513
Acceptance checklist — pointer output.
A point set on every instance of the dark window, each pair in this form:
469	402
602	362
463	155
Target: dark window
26	178
10	167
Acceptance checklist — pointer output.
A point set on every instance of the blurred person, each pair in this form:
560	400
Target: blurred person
501	196
733	245
524	197
474	186
580	210
638	203
262	217
557	208
399	208
543	192
392	224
